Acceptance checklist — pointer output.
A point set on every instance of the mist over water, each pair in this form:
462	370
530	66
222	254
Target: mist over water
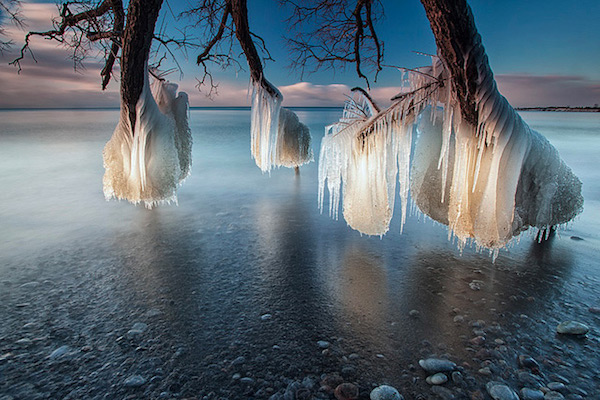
241	244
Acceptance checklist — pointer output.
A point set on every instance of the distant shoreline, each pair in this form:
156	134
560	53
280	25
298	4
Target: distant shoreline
560	109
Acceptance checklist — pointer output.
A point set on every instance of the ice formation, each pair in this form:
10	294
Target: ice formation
145	164
278	137
488	182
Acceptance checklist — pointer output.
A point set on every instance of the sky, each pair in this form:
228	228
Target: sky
543	53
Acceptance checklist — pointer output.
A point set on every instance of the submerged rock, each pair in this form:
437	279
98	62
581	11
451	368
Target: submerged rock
499	391
385	392
572	328
435	365
531	394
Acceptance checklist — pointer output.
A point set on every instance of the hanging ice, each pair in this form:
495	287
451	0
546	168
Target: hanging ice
293	141
147	163
488	182
278	137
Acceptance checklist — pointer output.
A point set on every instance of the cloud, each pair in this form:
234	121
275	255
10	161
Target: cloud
548	90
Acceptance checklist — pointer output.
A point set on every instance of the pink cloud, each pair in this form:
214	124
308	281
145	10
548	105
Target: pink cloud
549	90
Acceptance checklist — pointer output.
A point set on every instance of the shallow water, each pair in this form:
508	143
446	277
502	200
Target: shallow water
240	245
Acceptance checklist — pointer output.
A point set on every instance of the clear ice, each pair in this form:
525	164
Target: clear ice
145	164
278	138
488	182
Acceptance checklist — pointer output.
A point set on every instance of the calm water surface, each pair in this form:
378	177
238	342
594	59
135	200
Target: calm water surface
240	245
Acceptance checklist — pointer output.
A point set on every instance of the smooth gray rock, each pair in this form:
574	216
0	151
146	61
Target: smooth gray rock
58	353
499	391
553	396
135	381
556	386
530	394
437	379
434	365
323	344
572	328
385	392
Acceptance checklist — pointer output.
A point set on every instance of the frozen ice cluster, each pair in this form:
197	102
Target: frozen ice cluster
278	137
145	163
487	182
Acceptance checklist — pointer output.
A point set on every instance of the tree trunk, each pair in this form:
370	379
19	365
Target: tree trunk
137	39
460	48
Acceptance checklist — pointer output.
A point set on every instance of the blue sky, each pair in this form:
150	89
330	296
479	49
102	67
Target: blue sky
542	53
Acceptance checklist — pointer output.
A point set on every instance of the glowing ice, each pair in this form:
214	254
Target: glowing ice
147	163
488	182
278	138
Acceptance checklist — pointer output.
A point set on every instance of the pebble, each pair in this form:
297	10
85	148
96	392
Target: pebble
437	379
346	391
135	381
443	393
499	391
414	313
531	394
434	365
572	328
458	319
353	357
58	353
323	344
477	341
30	285
528	362
137	329
485	371
266	317
594	310
247	381
553	396
476	284
457	377
556	386
385	392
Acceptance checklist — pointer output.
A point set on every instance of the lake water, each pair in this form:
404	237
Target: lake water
246	266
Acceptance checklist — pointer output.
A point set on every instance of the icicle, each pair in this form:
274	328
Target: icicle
293	141
487	182
147	163
264	126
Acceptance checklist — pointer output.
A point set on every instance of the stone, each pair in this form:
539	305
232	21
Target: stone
60	352
266	317
528	362
553	396
135	381
556	386
499	391
435	365
485	371
385	392
531	394
137	329
572	328
477	341
323	344
443	393
346	391
414	313
247	381
437	379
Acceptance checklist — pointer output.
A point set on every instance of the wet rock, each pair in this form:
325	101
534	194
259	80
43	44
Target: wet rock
528	362
437	379
330	382
486	371
353	357
553	396
477	341
134	381
457	378
60	352
323	344
499	391
529	379
385	392
443	393
137	329
346	391
238	361
247	381
531	394
435	365
560	378
266	317
572	328
556	386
